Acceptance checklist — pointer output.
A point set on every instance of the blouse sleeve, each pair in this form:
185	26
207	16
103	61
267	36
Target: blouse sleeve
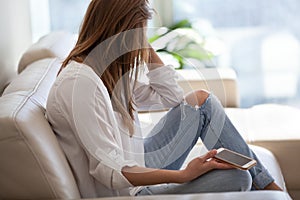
95	126
162	91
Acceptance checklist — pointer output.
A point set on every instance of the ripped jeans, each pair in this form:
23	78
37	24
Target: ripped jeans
171	140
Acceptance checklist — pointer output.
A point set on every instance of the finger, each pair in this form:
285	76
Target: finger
221	165
209	154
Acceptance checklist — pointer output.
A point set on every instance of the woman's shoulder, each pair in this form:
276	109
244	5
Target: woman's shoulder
76	69
80	76
80	73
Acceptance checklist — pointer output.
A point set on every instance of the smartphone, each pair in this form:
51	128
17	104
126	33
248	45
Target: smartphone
235	159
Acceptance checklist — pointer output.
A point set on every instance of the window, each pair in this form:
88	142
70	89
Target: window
260	38
56	15
67	14
262	44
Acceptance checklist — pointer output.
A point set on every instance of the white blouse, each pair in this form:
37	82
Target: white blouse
93	136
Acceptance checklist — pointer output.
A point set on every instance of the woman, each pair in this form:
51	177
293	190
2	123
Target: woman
92	109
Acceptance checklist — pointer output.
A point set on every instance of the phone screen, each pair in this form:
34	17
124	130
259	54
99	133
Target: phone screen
233	158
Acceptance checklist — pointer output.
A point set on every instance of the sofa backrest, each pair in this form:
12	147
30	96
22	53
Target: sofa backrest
33	166
32	163
54	45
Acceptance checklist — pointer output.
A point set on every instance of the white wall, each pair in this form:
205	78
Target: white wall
15	36
40	18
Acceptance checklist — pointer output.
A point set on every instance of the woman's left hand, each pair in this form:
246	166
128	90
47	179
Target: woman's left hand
202	165
155	60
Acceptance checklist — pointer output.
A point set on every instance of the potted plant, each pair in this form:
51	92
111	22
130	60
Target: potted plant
183	45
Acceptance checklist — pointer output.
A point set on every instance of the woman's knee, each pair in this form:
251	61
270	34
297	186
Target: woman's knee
197	97
227	180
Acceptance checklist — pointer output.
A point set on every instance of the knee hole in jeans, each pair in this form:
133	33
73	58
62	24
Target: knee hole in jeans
197	97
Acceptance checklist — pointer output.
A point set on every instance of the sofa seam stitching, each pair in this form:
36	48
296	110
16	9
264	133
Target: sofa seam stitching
15	113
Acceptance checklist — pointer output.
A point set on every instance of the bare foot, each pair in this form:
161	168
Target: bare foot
272	186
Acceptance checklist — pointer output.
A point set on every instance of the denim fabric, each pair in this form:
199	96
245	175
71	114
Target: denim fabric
171	140
214	181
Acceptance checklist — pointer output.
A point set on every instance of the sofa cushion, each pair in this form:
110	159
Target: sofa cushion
36	78
251	195
53	45
32	162
267	122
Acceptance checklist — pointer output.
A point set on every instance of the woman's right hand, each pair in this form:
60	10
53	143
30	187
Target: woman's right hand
138	176
202	165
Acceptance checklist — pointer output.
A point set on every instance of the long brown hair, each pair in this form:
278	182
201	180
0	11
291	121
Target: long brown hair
112	41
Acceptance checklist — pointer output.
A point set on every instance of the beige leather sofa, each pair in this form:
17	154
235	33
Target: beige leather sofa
32	164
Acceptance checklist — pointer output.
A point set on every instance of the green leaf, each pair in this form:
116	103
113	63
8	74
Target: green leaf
154	38
181	24
178	57
182	42
194	53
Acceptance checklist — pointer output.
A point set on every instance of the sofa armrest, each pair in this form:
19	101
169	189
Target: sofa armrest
287	155
222	82
6	76
276	128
